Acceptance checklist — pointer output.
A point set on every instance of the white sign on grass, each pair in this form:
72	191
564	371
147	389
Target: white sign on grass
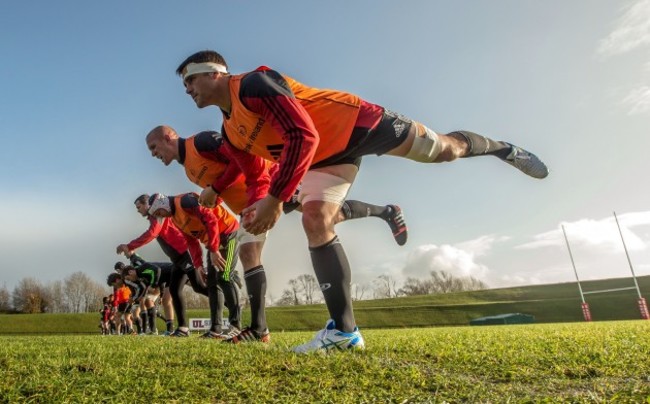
204	323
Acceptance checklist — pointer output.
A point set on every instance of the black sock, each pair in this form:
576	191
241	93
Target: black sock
152	318
332	270
255	279
231	299
480	145
144	320
358	209
215	299
170	325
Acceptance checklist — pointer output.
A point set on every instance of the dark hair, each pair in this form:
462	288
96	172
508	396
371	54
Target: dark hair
142	199
112	278
125	270
118	266
152	198
202	57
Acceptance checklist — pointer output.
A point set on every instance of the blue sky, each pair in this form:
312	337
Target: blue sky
82	83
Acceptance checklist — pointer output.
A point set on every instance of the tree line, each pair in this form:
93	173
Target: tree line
305	290
78	293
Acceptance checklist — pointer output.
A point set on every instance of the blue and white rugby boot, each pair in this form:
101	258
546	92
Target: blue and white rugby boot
329	339
526	162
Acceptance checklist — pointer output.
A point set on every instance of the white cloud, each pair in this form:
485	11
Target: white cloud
482	245
602	234
458	262
638	100
632	30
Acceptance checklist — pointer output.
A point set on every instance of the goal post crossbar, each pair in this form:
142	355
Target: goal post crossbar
608	290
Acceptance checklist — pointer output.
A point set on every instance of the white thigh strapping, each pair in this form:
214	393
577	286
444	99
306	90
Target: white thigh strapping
320	186
426	145
245	237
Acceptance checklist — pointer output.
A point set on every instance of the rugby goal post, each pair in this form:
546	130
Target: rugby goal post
643	306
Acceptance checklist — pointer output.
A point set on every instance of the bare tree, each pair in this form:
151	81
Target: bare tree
294	289
413	287
194	300
309	287
57	297
5	299
444	282
29	297
287	299
291	296
386	287
358	290
78	292
471	283
94	296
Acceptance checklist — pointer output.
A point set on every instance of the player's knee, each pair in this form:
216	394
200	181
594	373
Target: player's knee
317	218
250	255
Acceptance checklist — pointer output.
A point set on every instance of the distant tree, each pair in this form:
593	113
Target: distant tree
5	300
287	299
57	297
471	283
358	290
29	296
82	294
444	282
414	287
386	287
292	295
309	287
194	300
94	296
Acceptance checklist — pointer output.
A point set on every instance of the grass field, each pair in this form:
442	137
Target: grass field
569	362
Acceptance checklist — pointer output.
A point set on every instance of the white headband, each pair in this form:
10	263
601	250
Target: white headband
161	202
208	67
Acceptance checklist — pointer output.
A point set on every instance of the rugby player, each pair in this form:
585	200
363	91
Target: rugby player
217	229
318	137
173	244
207	163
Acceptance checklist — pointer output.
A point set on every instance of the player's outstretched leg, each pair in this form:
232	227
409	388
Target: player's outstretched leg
526	162
521	159
395	219
391	214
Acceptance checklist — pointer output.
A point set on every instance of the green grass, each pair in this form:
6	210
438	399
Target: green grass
569	362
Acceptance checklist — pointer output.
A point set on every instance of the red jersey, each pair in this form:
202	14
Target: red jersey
201	223
208	162
165	232
280	119
121	295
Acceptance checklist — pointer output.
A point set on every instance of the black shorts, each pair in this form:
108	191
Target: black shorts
124	307
165	274
390	132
